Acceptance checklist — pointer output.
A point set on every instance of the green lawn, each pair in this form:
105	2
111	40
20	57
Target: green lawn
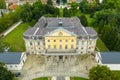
77	78
117	73
41	78
101	46
61	12
15	38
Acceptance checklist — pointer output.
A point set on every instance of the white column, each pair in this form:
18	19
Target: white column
69	57
45	59
63	58
57	58
75	57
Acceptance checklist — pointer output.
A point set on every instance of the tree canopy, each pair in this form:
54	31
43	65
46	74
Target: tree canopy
49	2
83	20
4	73
2	4
107	22
101	73
3	45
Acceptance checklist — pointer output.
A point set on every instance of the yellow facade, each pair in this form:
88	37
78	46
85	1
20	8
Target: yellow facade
60	40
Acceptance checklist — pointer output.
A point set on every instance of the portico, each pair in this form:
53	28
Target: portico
59	58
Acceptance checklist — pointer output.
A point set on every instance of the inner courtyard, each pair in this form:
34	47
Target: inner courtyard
66	66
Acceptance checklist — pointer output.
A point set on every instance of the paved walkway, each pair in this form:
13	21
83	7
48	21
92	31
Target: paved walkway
11	28
44	74
60	78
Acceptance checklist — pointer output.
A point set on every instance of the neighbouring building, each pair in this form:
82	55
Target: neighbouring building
109	59
13	60
60	38
13	6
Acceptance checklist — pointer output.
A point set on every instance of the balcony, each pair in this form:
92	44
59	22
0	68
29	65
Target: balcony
60	52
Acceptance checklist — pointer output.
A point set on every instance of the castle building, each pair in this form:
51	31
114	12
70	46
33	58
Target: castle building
60	38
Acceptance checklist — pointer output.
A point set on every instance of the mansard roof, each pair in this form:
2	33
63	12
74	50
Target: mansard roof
47	25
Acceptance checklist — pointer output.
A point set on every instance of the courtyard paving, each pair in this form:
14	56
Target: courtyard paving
35	66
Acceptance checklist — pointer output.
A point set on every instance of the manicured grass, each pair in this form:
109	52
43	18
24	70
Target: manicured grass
77	78
61	12
117	73
15	38
41	78
101	46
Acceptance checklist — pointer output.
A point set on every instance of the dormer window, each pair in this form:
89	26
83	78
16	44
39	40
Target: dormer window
60	23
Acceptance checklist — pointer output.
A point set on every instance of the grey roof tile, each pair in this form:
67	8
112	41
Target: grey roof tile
50	24
110	57
10	57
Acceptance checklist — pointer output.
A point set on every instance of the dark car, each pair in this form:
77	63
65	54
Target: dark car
17	74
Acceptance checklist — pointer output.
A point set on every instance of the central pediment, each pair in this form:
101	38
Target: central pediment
60	32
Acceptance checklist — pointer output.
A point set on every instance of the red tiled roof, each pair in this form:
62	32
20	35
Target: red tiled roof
13	6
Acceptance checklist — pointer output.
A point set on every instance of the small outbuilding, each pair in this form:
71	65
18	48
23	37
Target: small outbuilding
13	60
109	59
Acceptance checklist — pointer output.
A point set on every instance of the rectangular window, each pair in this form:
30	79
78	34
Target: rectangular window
54	46
72	46
48	40
60	40
54	40
89	47
38	43
72	40
30	43
83	42
60	46
66	46
82	48
48	46
66	40
90	42
10	66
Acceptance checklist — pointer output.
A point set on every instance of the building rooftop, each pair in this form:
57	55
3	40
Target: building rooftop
47	25
10	57
110	57
13	6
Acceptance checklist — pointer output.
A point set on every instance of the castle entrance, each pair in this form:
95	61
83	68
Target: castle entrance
60	57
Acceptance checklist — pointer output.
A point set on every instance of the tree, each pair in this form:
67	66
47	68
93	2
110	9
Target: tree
100	26
117	45
26	12
5	74
73	9
110	4
66	12
38	10
64	1
49	2
84	6
3	45
49	9
83	20
2	4
101	73
58	1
